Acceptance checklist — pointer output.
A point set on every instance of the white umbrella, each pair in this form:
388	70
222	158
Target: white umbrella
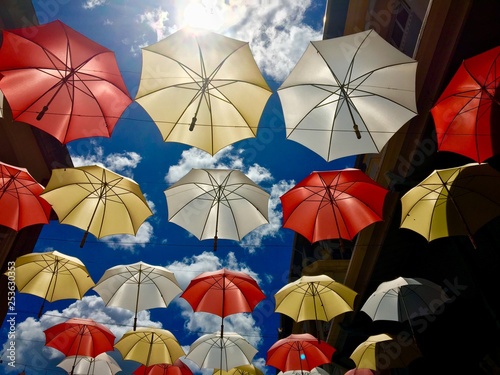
138	286
103	364
348	95
217	203
314	371
223	352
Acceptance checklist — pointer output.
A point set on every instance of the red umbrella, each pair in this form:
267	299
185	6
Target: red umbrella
333	204
20	202
463	113
223	292
301	352
80	337
178	368
58	80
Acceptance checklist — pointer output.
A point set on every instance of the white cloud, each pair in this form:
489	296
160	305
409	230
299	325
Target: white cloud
91	4
129	242
157	20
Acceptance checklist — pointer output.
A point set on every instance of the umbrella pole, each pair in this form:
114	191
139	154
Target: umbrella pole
206	81
149	352
137	299
77	349
219	189
48	288
103	190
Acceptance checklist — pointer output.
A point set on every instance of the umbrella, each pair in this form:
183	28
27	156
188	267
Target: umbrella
20	202
314	371
223	292
79	337
137	287
222	351
360	371
202	89
103	364
314	298
150	346
381	352
452	201
348	95
61	82
97	200
217	203
240	370
177	368
52	276
333	204
301	352
403	299
465	113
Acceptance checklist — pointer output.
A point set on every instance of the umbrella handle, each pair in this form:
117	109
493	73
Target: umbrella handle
356	130
42	112
193	122
84	239
215	243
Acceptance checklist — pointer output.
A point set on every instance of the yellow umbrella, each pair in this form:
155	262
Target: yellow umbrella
240	370
150	346
97	200
53	276
314	298
453	201
380	352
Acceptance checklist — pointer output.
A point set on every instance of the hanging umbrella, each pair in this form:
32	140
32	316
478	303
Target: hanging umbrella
222	351
79	337
217	203
314	371
382	352
240	370
138	286
333	204
301	352
177	368
61	82
97	200
314	298
360	371
452	202
20	202
348	95
52	276
465	113
404	299
202	89
150	346
223	292
103	364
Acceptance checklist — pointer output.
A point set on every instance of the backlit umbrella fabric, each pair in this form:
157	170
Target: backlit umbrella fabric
452	202
137	286
348	95
466	113
52	276
150	346
217	203
103	364
202	89
222	351
314	371
301	352
97	200
240	370
61	82
333	204
177	368
20	202
314	298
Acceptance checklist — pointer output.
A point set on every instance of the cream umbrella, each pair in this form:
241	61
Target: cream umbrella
97	200
103	364
52	276
240	370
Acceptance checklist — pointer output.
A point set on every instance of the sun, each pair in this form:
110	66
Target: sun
202	14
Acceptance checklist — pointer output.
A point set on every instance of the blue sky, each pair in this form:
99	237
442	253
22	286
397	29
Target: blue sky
278	32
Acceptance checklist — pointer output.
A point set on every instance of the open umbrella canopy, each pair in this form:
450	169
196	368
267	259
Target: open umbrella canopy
103	364
20	202
138	286
177	368
222	351
61	82
314	371
52	276
452	202
217	203
348	95
80	337
333	204
300	351
240	370
97	200
202	89
466	113
314	298
382	352
150	346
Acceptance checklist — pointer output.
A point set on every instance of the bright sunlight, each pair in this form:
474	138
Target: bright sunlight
203	14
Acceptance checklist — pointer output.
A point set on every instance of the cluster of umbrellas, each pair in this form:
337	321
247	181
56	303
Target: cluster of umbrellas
346	96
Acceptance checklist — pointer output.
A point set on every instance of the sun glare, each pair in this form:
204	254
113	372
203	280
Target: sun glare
202	15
